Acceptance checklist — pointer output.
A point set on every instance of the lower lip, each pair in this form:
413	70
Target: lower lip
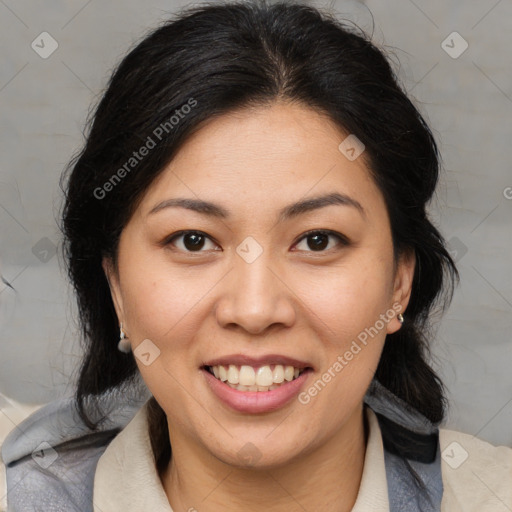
256	401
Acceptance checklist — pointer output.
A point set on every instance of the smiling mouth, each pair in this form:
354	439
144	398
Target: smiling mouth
249	378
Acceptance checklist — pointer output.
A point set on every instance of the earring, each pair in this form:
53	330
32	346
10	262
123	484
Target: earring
400	318
124	343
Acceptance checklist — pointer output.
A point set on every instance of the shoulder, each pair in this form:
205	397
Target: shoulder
477	476
11	414
51	449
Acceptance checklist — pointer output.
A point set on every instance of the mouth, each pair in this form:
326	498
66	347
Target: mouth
256	384
260	378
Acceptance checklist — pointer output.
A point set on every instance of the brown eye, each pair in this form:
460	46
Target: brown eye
317	241
191	241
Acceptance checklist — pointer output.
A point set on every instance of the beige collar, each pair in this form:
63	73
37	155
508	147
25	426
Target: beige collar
126	479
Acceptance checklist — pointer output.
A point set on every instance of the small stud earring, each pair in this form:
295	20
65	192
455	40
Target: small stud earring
400	318
124	343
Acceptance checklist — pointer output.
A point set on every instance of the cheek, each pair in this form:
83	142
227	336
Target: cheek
348	313
347	299
159	302
157	296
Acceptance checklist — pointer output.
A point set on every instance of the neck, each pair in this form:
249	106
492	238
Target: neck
326	478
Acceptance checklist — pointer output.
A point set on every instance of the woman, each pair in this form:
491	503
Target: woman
246	231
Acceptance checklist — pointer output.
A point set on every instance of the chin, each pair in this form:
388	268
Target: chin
259	455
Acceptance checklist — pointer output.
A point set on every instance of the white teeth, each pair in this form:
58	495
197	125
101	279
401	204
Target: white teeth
278	375
233	374
223	374
288	373
247	378
264	376
241	387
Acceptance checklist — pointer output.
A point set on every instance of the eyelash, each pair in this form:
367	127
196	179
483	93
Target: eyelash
342	240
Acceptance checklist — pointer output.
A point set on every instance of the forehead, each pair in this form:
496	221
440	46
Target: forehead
263	156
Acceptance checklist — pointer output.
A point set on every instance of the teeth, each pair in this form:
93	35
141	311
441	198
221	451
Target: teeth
240	387
264	376
233	374
223	374
247	378
278	375
288	373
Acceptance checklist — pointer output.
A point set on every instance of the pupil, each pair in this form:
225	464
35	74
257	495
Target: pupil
193	240
319	244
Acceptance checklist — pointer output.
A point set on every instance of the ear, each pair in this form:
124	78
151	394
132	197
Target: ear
115	290
402	287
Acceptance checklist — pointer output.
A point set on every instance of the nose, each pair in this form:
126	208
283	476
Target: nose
255	297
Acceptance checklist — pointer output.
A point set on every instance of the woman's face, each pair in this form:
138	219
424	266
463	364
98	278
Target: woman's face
249	287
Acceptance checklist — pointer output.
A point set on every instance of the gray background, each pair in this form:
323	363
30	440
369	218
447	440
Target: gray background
467	100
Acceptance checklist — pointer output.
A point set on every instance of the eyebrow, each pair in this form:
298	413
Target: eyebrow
286	213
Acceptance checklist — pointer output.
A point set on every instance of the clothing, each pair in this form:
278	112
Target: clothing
11	413
115	468
483	483
51	456
128	459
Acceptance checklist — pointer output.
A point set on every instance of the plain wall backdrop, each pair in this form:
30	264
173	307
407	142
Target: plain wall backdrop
452	57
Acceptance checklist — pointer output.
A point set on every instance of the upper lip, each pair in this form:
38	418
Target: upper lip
267	359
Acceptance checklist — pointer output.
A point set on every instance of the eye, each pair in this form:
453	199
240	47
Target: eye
318	240
192	241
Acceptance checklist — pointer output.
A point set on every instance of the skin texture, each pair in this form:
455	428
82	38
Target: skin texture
295	300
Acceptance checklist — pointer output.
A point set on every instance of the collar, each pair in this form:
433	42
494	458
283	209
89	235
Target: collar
126	478
129	459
